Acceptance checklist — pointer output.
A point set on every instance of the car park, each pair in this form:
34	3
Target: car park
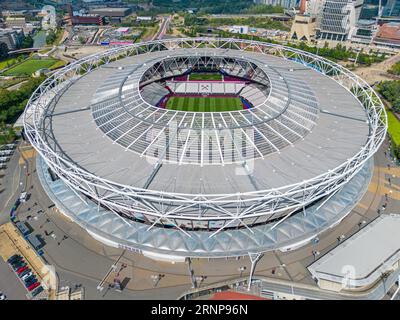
33	286
37	291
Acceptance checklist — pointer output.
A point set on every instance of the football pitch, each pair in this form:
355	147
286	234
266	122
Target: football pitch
204	104
205	76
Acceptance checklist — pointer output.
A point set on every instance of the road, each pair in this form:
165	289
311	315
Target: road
163	28
12	184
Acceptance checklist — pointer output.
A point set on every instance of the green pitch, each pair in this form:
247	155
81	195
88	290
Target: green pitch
204	104
205	76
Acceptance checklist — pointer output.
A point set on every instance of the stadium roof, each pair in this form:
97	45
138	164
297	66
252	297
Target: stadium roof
335	134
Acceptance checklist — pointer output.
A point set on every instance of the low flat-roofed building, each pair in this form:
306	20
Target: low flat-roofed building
111	12
90	19
388	34
144	18
15	21
362	260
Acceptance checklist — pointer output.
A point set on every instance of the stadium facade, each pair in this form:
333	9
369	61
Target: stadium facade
136	169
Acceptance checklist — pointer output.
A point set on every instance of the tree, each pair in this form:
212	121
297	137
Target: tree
12	103
395	69
27	42
51	37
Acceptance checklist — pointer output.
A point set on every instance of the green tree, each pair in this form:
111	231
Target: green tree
395	69
51	37
27	42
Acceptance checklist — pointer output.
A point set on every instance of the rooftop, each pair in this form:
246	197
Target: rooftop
365	256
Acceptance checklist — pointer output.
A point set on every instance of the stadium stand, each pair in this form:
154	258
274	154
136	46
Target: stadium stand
253	94
191	87
154	93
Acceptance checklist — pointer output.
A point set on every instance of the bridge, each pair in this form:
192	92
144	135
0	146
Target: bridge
26	50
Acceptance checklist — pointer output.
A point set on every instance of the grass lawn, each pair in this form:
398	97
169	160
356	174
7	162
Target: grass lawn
58	64
205	76
394	127
30	66
8	62
204	104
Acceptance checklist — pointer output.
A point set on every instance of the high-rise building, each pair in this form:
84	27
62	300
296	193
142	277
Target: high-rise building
338	19
391	9
12	38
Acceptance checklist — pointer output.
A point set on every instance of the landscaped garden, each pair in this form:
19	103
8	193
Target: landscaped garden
30	66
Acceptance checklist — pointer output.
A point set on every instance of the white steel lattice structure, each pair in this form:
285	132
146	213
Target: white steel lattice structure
283	132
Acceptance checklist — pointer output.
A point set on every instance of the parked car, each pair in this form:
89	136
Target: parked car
33	286
28	284
2	296
25	272
37	291
30	280
18	265
26	276
22	269
16	260
15	257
